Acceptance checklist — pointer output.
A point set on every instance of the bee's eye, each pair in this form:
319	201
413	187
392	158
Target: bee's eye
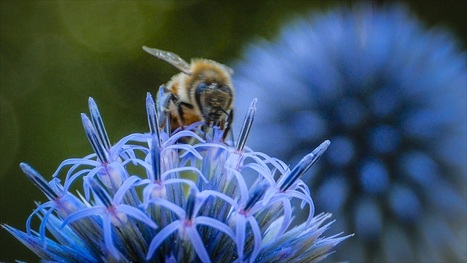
201	87
225	88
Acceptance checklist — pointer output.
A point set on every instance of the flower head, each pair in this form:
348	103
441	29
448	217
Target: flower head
393	97
139	204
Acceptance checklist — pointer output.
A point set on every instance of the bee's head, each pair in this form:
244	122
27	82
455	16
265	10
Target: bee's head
213	100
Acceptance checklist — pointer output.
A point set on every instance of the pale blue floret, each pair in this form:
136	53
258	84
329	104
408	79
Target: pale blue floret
99	124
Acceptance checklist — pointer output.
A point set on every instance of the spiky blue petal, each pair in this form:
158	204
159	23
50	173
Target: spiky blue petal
139	205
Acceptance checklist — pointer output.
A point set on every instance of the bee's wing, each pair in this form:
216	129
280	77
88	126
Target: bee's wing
171	58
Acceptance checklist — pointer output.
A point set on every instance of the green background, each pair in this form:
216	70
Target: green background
54	55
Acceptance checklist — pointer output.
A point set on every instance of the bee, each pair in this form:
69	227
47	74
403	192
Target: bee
202	91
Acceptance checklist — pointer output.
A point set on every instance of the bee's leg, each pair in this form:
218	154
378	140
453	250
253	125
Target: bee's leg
228	125
205	129
180	105
181	118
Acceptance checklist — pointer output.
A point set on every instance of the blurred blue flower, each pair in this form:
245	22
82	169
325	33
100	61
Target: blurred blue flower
392	95
139	206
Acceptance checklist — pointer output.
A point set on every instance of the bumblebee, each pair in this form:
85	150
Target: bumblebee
202	91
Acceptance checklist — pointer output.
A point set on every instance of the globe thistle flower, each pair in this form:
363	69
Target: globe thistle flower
392	95
138	205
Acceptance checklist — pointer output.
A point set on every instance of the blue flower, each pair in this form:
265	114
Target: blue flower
139	205
392	95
